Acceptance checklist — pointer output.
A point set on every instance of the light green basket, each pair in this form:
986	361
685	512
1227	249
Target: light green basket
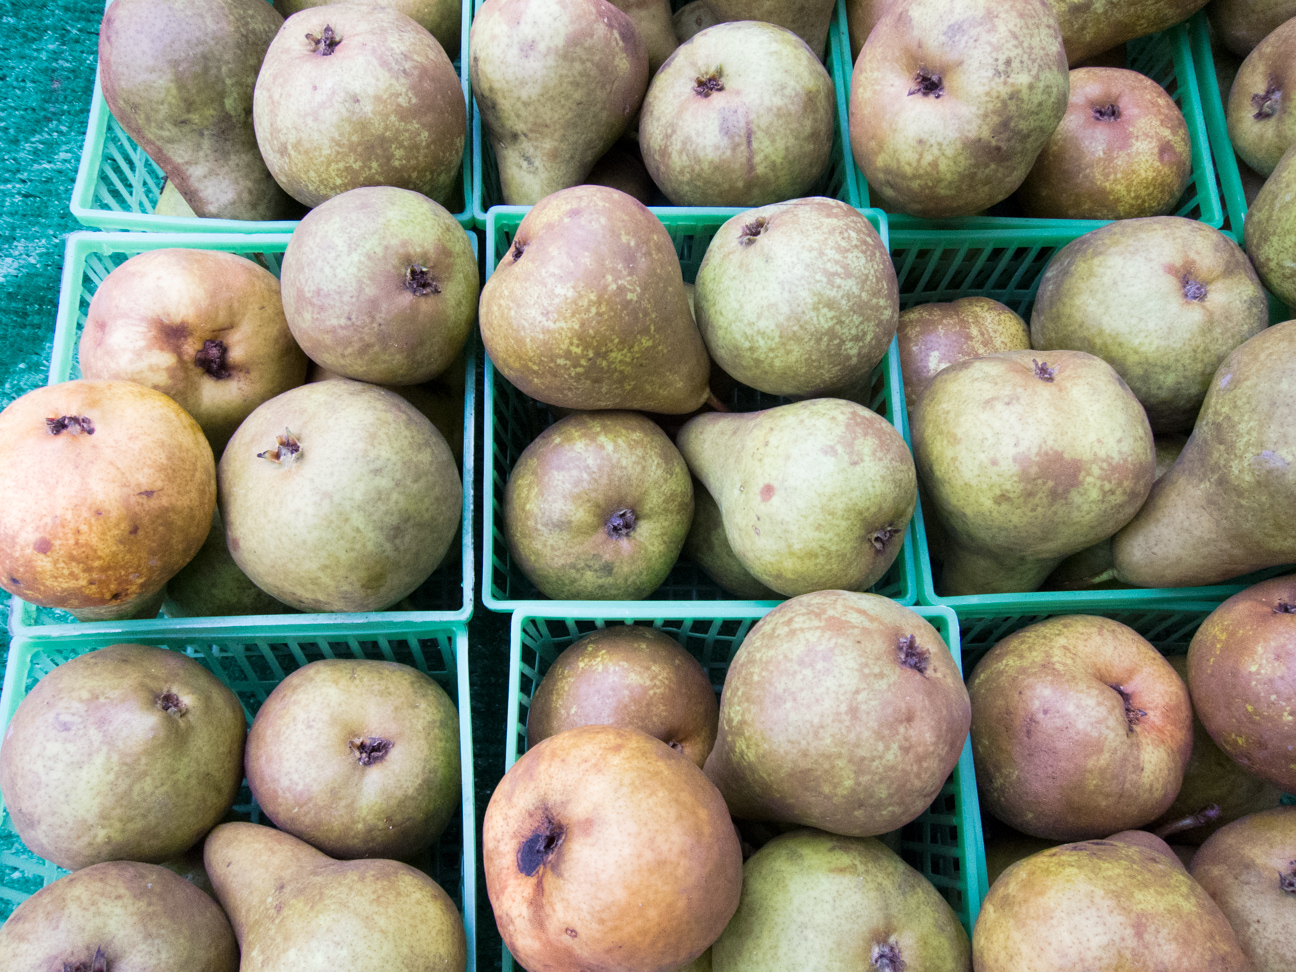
118	185
985	258
945	843
1167	59
252	663
837	183
513	420
446	596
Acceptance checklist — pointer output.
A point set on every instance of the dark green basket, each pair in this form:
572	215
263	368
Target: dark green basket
513	420
837	183
985	258
945	843
252	664
445	596
118	185
1167	59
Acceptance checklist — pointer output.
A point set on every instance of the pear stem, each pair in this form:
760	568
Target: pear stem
715	403
1202	817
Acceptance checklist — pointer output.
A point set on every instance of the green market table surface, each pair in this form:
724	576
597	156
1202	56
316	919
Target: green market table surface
47	65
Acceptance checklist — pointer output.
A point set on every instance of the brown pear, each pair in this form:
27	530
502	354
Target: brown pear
587	308
935	336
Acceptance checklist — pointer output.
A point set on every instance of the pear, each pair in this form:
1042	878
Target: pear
861	17
1216	790
440	18
798	298
1222	509
1091	27
1163	300
178	76
935	336
840	711
742	114
652	18
212	585
815	495
690	19
556	83
1240	25
597	507
1106	905
587	308
622	168
812	900
380	284
1028	458
294	908
1271	230
1261	121
128	752
949	106
353	95
1249	869
118	915
808	19
708	547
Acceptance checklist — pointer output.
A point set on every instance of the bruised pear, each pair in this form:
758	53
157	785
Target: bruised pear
106	491
587	308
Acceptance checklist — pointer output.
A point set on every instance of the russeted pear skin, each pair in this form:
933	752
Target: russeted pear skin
1101	904
178	75
587	309
815	495
1261	120
1027	458
1224	508
556	83
950	106
841	711
294	909
1270	230
808	19
119	915
1091	27
813	900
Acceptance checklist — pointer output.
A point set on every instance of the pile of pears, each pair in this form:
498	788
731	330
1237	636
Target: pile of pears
242	444
123	765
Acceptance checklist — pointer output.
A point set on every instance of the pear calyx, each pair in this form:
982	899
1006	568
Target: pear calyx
1287	880
913	655
621	524
1110	112
518	249
708	84
211	359
170	702
370	749
419	282
927	84
747	235
886	958
1043	372
883	537
1266	102
287	450
97	964
536	850
1193	289
1282	607
1132	715
326	43
70	423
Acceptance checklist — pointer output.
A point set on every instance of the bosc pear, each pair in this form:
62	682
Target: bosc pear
556	83
587	309
294	908
814	495
1224	508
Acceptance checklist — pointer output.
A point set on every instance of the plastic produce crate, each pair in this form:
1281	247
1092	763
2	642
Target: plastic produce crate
1167	59
118	185
252	663
837	184
986	258
944	844
513	420
444	597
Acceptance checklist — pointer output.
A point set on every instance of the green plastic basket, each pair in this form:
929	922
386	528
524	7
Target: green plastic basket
514	420
1212	100
446	596
1167	59
837	183
987	259
118	185
945	843
252	663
